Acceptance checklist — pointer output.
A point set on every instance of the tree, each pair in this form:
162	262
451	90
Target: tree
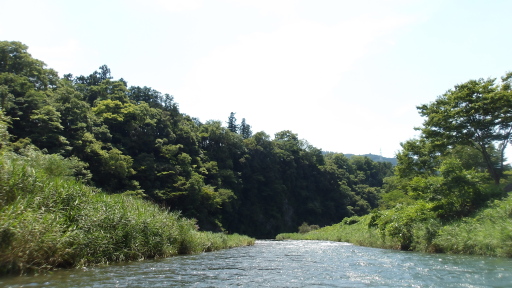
25	87
453	192
95	78
477	113
153	98
418	157
245	129
232	126
76	116
470	157
15	59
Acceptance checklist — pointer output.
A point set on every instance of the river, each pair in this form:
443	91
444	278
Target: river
288	264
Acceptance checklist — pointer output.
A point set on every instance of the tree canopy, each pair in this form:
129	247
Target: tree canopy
477	113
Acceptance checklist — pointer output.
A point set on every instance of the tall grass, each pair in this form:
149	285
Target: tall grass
48	220
489	232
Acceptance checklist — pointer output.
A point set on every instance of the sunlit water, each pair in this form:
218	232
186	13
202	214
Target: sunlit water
289	264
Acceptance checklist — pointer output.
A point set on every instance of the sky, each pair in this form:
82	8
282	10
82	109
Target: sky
346	76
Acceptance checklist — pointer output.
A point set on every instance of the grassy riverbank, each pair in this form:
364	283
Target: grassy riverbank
353	230
487	232
48	219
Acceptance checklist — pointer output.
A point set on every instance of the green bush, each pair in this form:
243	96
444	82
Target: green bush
399	222
305	228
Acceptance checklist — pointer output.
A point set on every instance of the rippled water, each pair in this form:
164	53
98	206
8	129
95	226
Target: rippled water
289	264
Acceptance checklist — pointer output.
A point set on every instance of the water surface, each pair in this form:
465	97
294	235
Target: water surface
289	264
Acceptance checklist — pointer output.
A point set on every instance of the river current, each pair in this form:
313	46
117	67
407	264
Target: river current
288	264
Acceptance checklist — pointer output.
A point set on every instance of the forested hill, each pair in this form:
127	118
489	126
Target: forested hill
135	140
377	158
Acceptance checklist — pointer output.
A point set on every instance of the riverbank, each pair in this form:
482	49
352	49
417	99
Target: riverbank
49	219
487	232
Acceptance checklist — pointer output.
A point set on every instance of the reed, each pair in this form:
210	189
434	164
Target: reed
489	232
48	219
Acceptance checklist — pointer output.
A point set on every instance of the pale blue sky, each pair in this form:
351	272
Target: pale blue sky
344	75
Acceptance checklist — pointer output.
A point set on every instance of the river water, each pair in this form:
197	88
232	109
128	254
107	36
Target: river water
288	264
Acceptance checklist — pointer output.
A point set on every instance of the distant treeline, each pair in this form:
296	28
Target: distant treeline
134	140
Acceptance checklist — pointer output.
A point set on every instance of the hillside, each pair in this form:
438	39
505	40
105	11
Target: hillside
135	140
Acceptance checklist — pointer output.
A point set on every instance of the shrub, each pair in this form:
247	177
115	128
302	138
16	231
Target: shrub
305	228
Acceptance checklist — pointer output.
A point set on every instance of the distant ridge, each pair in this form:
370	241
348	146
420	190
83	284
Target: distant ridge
376	158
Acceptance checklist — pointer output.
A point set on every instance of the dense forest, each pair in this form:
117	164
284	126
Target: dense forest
135	141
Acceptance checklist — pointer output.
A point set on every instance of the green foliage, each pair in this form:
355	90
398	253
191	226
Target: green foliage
135	141
49	220
444	175
394	193
470	158
305	228
487	233
453	191
417	228
399	223
354	230
437	199
418	157
476	113
232	126
245	129
4	135
15	59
